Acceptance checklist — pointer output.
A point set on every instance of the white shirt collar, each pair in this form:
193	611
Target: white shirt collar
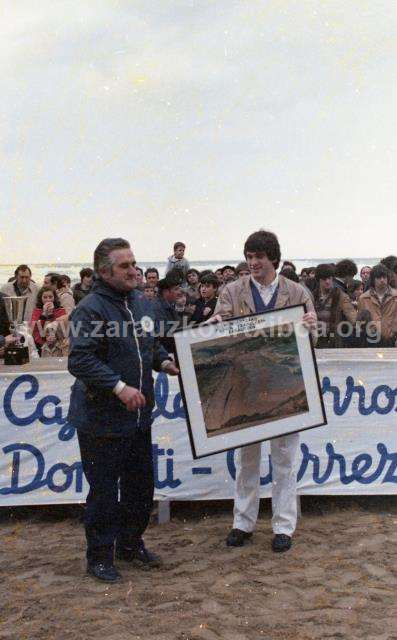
265	287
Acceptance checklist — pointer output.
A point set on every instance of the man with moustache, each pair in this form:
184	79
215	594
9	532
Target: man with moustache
263	290
112	354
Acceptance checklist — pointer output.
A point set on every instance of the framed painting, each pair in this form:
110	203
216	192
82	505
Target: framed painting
248	379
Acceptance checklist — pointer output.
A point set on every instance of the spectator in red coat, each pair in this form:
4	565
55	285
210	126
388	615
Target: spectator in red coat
47	310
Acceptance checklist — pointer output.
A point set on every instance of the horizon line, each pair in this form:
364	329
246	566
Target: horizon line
223	260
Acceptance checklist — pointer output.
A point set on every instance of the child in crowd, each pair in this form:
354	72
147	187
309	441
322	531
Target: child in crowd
193	284
149	292
178	261
184	305
55	345
206	305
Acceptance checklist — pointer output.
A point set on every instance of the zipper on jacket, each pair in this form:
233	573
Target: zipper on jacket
139	355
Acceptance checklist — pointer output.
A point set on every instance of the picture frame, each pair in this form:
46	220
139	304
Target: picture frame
248	379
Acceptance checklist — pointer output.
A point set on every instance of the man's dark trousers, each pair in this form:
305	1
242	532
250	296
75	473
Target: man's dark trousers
109	463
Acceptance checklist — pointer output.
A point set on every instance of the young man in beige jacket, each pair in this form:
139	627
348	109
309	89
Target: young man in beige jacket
260	291
381	302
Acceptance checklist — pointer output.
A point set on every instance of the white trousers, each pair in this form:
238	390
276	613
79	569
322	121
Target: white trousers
246	501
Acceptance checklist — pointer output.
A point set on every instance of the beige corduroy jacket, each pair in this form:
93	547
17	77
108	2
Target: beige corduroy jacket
236	298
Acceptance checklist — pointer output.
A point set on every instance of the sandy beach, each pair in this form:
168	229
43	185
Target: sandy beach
338	581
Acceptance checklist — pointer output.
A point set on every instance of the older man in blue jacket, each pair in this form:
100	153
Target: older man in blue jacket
112	354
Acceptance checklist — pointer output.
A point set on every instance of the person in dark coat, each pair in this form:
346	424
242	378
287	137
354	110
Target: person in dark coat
83	288
206	305
167	317
335	311
345	270
112	354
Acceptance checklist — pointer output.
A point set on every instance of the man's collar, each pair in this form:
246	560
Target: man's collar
260	286
23	291
387	292
102	287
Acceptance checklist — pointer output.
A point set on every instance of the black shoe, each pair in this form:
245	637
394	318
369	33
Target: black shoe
281	542
139	556
104	571
237	538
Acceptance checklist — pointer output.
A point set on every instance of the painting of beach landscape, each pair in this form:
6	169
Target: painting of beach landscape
248	380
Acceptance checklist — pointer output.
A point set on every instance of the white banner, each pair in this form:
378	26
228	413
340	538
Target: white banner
356	453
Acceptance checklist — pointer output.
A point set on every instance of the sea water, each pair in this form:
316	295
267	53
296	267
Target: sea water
72	269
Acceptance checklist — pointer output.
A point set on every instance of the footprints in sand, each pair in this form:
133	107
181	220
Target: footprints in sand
338	581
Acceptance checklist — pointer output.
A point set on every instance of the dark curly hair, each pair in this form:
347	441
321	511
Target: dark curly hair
378	271
264	242
346	268
324	271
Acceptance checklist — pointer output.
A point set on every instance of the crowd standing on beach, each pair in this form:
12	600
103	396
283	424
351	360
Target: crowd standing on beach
353	310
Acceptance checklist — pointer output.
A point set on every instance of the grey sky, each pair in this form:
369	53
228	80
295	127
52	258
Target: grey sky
197	120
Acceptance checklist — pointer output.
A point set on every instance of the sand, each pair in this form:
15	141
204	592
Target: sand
338	581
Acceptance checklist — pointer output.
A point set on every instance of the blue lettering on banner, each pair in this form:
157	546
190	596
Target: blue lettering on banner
161	392
341	406
41	479
361	469
169	480
70	472
360	465
364	469
67	430
341	402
